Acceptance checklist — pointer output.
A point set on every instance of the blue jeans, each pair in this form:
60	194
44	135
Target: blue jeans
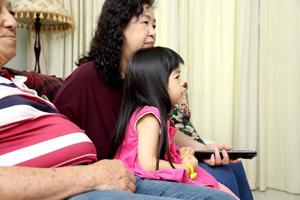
233	176
157	190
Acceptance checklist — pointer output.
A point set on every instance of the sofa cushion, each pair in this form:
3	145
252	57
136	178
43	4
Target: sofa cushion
44	85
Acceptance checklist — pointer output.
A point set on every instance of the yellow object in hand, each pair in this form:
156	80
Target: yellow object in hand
192	174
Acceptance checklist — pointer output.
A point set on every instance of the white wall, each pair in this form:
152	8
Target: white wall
20	61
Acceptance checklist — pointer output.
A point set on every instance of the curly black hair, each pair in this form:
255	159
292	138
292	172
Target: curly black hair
105	48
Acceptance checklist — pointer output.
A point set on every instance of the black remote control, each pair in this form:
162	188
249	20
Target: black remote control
233	154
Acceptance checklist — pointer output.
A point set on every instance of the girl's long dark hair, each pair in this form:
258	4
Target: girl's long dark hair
146	83
105	47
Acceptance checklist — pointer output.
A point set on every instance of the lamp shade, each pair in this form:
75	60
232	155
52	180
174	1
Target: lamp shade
51	13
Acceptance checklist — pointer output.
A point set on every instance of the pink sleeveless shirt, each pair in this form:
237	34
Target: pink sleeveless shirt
128	153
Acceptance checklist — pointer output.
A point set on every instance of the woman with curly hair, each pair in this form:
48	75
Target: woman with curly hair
91	96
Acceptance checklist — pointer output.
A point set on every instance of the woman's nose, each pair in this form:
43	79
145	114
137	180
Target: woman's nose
152	31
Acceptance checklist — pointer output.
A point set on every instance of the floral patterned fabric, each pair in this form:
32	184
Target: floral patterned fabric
180	115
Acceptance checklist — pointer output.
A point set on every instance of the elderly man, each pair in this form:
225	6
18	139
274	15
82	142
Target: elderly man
39	148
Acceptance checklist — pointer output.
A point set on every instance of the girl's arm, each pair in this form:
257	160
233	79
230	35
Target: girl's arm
148	128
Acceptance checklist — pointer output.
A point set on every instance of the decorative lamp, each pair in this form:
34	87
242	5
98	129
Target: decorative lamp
48	14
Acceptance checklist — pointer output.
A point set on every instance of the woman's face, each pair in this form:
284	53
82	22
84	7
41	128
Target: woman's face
139	33
7	34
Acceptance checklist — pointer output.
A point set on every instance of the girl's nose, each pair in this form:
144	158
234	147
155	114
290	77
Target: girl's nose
185	84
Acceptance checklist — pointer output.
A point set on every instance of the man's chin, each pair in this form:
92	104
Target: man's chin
5	58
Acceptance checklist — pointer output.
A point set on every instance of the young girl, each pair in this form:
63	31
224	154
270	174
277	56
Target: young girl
144	133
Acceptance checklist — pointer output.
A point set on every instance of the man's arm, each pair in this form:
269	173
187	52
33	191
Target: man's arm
60	183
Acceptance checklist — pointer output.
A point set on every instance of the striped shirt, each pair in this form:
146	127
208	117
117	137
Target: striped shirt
33	133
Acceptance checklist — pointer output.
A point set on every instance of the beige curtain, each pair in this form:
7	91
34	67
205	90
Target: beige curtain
245	114
242	64
279	95
242	59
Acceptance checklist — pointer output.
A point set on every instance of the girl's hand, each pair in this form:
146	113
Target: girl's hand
190	160
186	151
190	163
